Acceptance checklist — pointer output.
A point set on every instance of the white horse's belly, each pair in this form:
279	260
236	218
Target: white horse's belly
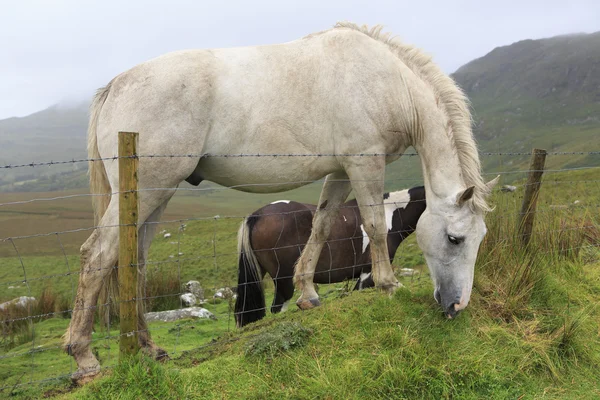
265	174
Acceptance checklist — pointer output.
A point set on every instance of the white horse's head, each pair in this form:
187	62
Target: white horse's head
449	233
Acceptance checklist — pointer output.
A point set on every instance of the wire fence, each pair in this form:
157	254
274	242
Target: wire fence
41	233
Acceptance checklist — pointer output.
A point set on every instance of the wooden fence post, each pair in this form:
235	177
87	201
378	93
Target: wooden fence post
128	243
534	181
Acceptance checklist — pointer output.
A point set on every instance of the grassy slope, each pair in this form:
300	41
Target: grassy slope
532	327
368	346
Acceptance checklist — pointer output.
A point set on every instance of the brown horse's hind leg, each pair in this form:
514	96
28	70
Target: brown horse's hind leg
335	191
284	291
98	255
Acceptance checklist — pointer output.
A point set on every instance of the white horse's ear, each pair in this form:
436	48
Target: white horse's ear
490	185
461	198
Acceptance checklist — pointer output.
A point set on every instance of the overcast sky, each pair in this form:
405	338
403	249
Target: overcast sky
61	50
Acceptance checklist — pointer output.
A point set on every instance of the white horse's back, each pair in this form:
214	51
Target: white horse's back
323	94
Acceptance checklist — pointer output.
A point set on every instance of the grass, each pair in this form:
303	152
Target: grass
531	329
368	346
283	337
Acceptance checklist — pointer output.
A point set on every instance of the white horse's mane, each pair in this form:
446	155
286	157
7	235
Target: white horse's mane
452	100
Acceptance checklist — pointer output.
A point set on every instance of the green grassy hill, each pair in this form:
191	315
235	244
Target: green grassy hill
537	93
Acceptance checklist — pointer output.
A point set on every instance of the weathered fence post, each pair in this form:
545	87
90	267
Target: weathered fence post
128	243
534	181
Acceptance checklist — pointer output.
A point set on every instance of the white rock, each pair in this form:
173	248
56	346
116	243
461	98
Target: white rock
174	315
224	293
167	235
408	272
188	299
22	301
194	288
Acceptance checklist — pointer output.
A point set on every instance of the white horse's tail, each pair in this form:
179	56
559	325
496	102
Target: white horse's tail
101	194
99	185
250	302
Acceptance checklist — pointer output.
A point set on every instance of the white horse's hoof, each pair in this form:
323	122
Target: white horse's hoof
85	375
390	288
308	304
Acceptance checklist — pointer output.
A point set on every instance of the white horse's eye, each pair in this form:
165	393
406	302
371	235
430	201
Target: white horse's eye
454	239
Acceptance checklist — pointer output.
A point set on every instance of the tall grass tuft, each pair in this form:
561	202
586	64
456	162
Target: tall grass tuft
521	286
16	321
16	326
138	377
162	290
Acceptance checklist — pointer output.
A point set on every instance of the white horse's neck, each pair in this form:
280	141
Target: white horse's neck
442	172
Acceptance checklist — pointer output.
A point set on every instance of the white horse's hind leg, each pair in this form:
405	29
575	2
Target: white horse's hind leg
368	184
99	254
146	234
335	191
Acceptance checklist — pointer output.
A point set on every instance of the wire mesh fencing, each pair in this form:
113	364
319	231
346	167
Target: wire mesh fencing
193	265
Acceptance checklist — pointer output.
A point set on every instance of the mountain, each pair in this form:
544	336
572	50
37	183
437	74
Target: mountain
57	133
54	133
537	93
533	93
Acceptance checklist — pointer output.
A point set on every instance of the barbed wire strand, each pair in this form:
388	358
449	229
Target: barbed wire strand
214	189
550	209
29	306
114	158
62	248
215	254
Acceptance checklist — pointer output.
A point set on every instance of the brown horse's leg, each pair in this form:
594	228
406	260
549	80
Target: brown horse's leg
284	291
335	191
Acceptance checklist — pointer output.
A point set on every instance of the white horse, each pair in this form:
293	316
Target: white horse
325	99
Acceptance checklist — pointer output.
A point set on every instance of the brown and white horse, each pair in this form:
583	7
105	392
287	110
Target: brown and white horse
271	239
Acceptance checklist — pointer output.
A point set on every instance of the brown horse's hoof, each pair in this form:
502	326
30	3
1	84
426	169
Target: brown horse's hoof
308	304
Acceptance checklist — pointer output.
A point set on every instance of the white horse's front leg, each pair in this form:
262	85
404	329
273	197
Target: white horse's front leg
335	191
368	184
